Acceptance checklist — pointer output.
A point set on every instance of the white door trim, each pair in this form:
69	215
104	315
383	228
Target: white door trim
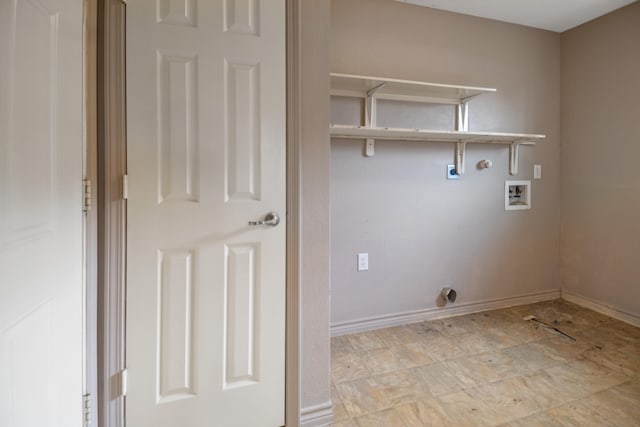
90	111
292	368
112	211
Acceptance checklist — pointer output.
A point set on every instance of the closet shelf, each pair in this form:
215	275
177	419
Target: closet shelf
402	90
429	135
371	89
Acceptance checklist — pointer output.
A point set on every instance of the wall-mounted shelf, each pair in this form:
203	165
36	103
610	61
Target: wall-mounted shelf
373	88
402	90
429	135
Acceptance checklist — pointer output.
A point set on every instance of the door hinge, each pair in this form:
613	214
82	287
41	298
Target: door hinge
125	187
86	410
121	381
87	196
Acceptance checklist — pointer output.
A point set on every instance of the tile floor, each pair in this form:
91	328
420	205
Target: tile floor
491	369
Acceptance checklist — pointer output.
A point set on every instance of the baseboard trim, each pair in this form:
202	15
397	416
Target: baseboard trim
606	309
317	415
371	323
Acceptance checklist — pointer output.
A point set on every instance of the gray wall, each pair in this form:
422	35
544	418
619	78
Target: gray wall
421	231
601	159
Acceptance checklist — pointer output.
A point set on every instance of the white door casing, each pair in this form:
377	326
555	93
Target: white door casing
206	154
41	213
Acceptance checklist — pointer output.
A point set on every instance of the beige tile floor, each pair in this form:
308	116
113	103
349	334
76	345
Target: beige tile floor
491	369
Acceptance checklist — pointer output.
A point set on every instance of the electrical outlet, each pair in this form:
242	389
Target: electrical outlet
363	262
451	172
537	171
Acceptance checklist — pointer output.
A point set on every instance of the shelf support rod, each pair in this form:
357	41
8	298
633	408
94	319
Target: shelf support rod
461	147
513	158
369	121
371	106
462	116
371	118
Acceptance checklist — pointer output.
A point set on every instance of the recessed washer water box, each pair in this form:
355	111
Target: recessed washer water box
517	195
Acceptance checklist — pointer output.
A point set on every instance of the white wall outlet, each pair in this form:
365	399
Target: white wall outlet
451	172
363	262
537	171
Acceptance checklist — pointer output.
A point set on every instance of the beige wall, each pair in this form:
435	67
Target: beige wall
601	159
314	202
421	231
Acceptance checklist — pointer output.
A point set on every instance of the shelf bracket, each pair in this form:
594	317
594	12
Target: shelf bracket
371	117
462	124
369	111
369	147
371	106
513	158
462	116
374	89
461	147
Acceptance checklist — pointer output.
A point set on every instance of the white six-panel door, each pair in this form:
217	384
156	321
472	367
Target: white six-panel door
41	213
206	155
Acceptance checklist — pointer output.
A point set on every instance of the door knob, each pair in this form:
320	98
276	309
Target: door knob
271	219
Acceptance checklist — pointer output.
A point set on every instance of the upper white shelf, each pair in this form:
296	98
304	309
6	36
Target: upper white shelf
402	90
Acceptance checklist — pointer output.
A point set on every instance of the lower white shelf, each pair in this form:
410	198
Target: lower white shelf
460	138
428	135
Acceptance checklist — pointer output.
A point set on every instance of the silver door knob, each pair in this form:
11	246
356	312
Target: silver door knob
271	219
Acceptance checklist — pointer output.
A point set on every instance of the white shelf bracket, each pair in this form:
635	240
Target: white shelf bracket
513	158
369	147
461	147
373	90
371	106
369	121
369	115
462	124
371	118
462	116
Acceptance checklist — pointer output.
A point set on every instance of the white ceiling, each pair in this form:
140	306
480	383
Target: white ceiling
553	15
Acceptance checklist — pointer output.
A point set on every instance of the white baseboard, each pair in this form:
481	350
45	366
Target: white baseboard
388	320
317	416
600	307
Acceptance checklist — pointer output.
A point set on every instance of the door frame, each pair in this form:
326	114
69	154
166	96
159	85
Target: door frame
112	163
90	226
112	166
294	138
